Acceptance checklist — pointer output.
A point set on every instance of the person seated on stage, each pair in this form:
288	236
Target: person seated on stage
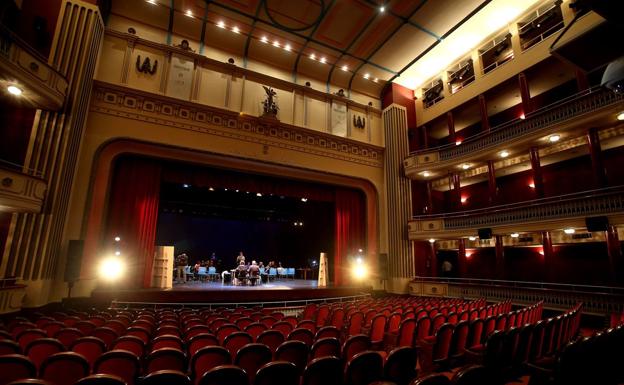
254	272
241	272
280	269
196	267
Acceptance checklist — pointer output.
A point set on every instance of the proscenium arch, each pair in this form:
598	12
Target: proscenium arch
93	222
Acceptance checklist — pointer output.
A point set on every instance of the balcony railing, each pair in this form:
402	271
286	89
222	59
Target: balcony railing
20	192
598	300
564	110
43	86
577	205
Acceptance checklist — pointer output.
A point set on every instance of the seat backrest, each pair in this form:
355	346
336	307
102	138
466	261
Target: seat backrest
106	334
14	367
235	341
472	375
323	371
224	374
25	336
277	372
9	347
271	338
38	350
166	377
406	332
432	379
89	347
130	343
423	329
474	333
101	379
201	341
400	366
364	368
355	323
293	351
254	329
224	331
325	347
207	358
460	338
327	332
354	345
167	341
119	363
64	368
165	359
443	337
378	327
300	334
251	357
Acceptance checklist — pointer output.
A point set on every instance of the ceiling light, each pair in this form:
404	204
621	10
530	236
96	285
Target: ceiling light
458	142
376	80
287	47
366	76
472	238
431	240
313	56
300	223
189	13
463	199
117	252
465	166
258	194
621	116
276	43
235	29
522	116
237	190
264	39
345	68
210	189
185	185
504	154
323	60
569	231
13	90
426	174
515	235
304	199
532	185
382	9
152	1
221	24
554	138
117	239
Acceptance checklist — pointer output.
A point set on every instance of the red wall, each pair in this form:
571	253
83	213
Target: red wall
422	255
394	93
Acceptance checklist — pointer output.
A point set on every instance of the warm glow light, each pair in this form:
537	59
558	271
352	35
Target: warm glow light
210	189
522	116
117	239
111	268
189	13
569	231
382	9
376	80
264	39
515	235
458	142
504	154
304	199
300	223
151	1
472	238
345	68
235	29
463	199
258	194
359	260
276	43
323	60
221	24
465	166
488	20
118	253
360	272
532	185
287	47
468	254
431	240
14	90
620	116
313	56
541	252
426	174
185	185
366	76
554	138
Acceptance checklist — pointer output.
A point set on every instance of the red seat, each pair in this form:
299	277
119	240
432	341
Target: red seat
106	334
25	336
90	348
101	379
224	374
283	327
406	333
293	351
167	341
277	372
251	357
307	324
400	365
235	341
302	334
354	345
208	358
356	320
196	330
225	330
322	314
86	327
325	347
201	341
141	332
323	371
132	344
14	367
166	377
9	347
120	363
378	326
327	332
271	338
64	368
68	335
472	375
364	368
268	321
254	329
165	359
52	327
39	349
432	379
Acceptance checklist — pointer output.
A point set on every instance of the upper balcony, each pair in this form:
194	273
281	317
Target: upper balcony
22	67
536	215
596	106
20	192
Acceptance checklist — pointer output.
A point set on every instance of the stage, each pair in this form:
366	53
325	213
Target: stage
284	292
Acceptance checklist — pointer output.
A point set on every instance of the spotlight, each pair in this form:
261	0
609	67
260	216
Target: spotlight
360	250
313	56
522	116
360	272
465	166
189	13
515	235
258	194
152	1
287	47
13	90
276	44
186	185
300	223
426	174
210	189
532	185
359	260
431	240
458	142
323	59
366	76
304	199
463	199
118	253
382	9
569	231
117	239
111	269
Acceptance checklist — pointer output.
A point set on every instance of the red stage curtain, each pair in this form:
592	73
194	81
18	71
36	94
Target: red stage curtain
350	231
133	216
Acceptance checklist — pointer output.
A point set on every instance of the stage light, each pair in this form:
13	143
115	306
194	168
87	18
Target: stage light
323	60
13	90
522	116
300	223
185	185
304	199
210	189
463	199
375	80
258	194
472	238
313	56
515	235
152	1
117	239
235	29
111	269
360	250
426	174
366	76
465	166
189	13
359	260
236	190
276	44
360	272
569	231
118	253
382	9
296	224
532	185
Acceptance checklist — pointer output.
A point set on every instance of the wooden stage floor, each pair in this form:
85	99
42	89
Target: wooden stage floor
215	292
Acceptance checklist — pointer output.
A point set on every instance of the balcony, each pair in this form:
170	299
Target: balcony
20	192
42	86
11	295
569	113
536	215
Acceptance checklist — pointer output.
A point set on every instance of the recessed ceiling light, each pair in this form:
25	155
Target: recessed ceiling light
504	154
345	68
621	116
313	56
117	239
264	39
235	29
382	9
221	24
515	235
463	199
376	80
472	238
554	138
258	194
431	240
522	116
569	231
426	174
287	47
323	60
458	142
465	166
185	185
532	185
152	1
276	43
189	13
366	76
13	90
304	199
210	189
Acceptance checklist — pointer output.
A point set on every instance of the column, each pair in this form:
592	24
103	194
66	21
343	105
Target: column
500	257
461	258
457	191
485	119
614	251
430	209
593	141
548	252
425	137
524	93
433	265
537	172
492	188
450	121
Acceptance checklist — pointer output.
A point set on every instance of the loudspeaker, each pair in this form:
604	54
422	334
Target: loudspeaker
597	223
382	266
485	233
74	260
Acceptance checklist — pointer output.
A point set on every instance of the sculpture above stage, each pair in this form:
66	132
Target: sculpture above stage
269	105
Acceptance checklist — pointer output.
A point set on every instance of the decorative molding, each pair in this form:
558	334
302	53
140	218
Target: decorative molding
11	298
21	192
138	105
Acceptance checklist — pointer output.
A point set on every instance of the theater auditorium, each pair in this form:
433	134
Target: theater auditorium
311	192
